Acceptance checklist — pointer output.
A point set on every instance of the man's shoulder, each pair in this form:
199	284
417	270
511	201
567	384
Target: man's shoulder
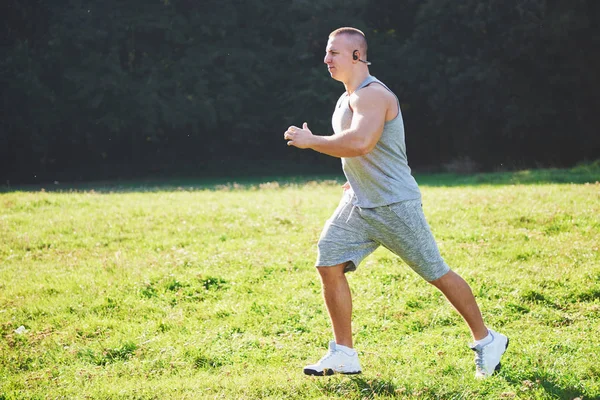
375	91
380	87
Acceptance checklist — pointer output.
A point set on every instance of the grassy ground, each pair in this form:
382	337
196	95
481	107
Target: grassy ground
208	291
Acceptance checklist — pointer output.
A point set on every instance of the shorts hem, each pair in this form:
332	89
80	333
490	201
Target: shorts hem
437	276
351	267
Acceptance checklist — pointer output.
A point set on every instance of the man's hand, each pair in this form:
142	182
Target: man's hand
298	137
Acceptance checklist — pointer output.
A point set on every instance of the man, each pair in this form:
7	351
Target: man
381	205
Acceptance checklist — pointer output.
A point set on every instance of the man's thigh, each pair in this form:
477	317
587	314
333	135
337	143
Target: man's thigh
345	238
402	228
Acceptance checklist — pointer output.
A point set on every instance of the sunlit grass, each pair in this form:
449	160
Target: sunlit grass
210	292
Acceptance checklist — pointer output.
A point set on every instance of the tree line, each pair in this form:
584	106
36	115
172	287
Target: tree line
103	89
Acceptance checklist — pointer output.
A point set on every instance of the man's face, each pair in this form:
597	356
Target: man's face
338	57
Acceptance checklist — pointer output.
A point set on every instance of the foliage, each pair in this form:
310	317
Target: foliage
103	89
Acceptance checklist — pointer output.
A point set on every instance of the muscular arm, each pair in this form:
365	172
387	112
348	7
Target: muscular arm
370	107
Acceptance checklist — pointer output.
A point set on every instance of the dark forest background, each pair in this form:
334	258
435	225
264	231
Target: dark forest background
106	89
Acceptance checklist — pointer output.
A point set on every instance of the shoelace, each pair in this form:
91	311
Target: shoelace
326	356
479	362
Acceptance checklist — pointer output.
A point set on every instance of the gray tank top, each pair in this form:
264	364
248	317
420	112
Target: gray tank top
382	176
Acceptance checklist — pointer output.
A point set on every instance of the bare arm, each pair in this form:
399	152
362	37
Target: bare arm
370	108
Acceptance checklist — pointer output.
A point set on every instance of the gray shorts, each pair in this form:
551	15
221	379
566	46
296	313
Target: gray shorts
352	233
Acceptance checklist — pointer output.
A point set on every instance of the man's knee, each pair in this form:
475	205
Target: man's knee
444	279
451	282
332	272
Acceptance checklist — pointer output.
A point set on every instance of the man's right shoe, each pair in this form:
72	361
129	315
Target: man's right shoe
487	358
336	361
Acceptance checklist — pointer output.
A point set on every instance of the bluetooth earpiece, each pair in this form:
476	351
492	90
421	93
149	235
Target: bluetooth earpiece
355	57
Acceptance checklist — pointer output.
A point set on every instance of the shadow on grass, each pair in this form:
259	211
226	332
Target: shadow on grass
175	184
370	388
585	173
363	387
582	174
553	389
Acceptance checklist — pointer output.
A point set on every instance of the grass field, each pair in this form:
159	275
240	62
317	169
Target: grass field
189	290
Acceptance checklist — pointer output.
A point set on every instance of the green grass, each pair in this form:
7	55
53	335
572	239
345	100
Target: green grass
190	290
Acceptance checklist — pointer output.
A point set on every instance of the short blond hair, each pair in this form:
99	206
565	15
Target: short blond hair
356	34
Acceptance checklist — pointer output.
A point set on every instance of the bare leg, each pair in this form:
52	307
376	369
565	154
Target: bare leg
338	300
459	294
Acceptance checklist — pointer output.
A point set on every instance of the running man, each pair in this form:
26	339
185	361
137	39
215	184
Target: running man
381	205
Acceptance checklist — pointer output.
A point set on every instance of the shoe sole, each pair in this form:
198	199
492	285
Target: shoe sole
327	372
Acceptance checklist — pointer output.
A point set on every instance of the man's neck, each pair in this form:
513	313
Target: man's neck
356	80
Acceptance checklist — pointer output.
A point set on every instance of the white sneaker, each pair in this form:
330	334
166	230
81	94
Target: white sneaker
487	358
336	360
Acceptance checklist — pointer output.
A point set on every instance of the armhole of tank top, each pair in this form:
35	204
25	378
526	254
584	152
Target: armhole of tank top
393	94
398	107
